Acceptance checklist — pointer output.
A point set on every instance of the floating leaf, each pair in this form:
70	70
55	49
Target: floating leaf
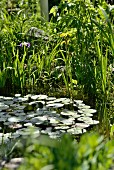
17	95
82	125
75	131
84	118
27	124
69	121
55	105
78	101
83	106
16	119
3	106
62	127
89	110
50	98
92	122
42	97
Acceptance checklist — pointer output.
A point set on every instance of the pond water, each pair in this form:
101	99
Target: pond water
45	115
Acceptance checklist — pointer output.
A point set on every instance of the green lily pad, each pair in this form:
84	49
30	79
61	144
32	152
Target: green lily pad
34	97
47	130
16	119
89	110
84	113
67	101
70	113
53	120
83	107
8	102
92	122
54	135
55	105
8	98
28	124
15	125
84	118
82	125
75	131
42	97
50	98
78	101
69	121
3	106
15	136
17	95
59	100
3	119
39	118
62	127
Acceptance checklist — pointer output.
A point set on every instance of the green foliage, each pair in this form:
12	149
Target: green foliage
92	152
79	47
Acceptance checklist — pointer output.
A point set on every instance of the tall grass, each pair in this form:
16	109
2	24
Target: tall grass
79	48
90	45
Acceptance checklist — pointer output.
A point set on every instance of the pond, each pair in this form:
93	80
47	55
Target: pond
47	115
41	117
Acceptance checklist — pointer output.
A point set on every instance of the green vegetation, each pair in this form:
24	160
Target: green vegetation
73	53
76	51
91	153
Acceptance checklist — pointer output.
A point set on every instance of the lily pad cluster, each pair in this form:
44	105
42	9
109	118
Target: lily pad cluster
46	115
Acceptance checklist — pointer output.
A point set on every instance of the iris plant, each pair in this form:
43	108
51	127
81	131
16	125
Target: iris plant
27	44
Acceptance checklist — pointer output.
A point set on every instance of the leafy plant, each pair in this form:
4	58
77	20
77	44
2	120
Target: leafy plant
90	153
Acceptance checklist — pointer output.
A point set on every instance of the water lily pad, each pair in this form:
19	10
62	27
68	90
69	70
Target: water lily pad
75	131
78	101
83	107
19	113
50	98
16	119
68	113
67	101
39	118
42	97
22	99
84	119
55	105
15	136
3	119
54	135
47	130
38	123
62	127
61	100
3	106
7	123
69	121
30	115
82	125
15	125
34	97
17	95
1	98
8	98
8	102
85	113
89	110
92	122
28	124
53	120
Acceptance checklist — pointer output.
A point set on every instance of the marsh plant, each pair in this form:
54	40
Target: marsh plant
76	52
